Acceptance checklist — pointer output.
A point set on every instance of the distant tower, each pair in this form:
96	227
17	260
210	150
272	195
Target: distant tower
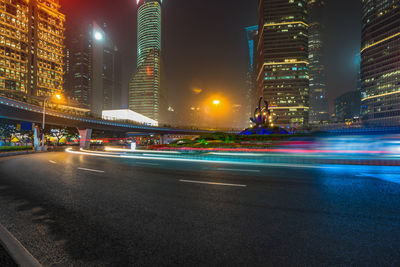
251	99
380	62
282	60
146	89
319	106
93	75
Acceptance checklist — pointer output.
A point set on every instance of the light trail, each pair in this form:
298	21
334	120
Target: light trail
238	170
284	165
284	150
139	150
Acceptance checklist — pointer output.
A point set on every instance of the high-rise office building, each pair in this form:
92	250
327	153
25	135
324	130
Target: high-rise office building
319	106
283	64
147	94
347	106
93	74
31	48
380	62
251	101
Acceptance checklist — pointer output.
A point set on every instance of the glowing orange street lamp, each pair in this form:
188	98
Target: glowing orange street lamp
216	102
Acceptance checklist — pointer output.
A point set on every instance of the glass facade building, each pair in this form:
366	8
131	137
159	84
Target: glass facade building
147	95
251	101
282	60
347	106
380	62
31	48
93	76
319	106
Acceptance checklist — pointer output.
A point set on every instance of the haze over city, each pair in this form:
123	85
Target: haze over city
205	46
199	133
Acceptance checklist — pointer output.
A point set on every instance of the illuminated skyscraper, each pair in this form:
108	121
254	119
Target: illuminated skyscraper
147	95
282	64
319	106
251	101
31	48
380	62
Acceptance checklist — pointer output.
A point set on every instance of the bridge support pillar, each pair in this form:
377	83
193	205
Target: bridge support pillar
36	139
163	139
86	135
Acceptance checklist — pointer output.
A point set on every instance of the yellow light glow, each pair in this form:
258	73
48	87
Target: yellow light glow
376	96
289	107
285	23
216	102
286	62
381	41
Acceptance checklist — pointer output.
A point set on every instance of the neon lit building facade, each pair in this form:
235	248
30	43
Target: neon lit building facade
147	94
319	106
380	62
283	64
31	48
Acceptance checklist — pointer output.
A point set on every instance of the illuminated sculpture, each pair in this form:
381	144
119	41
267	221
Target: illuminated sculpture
264	122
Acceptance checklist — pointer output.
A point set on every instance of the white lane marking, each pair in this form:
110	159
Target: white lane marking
237	170
52	161
211	183
90	170
146	163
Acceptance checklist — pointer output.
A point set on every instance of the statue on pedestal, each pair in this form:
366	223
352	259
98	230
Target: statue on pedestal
264	121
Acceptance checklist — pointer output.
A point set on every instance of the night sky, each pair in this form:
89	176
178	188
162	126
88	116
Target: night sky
204	43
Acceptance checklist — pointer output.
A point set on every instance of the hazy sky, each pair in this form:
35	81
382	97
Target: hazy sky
204	43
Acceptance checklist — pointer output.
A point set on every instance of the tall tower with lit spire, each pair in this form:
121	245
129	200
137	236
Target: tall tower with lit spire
146	93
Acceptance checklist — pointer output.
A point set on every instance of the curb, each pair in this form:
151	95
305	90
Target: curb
8	154
16	250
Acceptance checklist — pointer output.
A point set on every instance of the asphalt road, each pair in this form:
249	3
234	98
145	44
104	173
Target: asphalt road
77	210
5	258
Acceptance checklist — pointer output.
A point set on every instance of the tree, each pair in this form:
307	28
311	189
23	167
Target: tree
61	132
7	129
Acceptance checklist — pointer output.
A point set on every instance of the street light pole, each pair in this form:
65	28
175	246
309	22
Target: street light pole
216	103
59	97
44	120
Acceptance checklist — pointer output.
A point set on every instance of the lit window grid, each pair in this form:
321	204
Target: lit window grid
50	55
286	85
149	29
13	37
380	64
144	91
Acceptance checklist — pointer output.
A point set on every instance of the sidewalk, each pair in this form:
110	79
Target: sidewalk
5	258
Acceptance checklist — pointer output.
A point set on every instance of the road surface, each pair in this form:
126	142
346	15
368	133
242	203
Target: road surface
82	210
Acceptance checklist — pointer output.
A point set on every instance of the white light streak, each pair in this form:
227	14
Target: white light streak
212	183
